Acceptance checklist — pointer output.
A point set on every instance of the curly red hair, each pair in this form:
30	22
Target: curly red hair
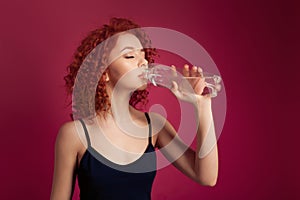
81	108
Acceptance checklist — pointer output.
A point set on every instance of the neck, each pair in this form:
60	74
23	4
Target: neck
119	99
122	112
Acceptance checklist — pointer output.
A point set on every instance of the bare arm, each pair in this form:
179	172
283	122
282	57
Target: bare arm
200	165
66	149
206	165
203	170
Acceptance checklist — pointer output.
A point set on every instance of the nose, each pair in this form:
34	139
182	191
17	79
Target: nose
143	62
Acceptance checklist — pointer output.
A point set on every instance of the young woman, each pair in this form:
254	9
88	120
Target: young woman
112	153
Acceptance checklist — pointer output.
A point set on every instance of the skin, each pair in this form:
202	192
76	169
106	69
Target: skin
71	143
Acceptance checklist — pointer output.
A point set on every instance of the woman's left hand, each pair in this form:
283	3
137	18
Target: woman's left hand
195	78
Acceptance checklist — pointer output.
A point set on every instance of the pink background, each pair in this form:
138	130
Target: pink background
254	44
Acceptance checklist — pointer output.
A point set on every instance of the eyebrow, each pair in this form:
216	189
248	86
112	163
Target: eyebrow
131	48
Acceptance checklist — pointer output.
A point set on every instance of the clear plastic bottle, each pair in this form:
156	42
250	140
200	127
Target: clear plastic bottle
162	75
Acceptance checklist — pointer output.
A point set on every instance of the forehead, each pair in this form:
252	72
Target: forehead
125	43
128	40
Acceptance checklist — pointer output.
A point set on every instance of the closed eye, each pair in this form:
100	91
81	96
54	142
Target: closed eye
129	57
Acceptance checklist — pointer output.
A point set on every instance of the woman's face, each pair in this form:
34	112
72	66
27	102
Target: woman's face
126	58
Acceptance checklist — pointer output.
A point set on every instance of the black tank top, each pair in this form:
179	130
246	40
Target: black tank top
99	178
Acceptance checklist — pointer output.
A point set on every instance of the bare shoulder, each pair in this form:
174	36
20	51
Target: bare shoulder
163	128
67	132
156	116
69	136
161	125
158	121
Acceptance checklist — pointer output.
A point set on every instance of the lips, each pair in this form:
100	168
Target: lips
143	75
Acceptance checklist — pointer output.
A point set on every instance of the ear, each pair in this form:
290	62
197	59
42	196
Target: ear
105	76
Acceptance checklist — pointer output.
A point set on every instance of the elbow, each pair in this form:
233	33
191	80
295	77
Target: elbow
207	178
210	182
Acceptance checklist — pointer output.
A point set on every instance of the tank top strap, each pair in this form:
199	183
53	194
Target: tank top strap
86	133
150	128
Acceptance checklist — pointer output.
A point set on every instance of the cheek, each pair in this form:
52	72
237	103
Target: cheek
118	69
127	77
115	74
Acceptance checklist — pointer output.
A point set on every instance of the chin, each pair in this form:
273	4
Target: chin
143	87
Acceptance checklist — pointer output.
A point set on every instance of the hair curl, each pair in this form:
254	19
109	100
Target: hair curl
83	57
